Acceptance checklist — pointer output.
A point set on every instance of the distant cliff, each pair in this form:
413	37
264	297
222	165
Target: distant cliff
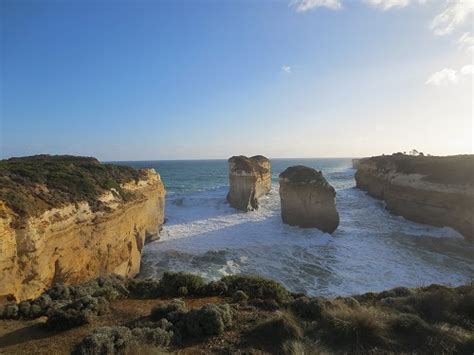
70	219
433	190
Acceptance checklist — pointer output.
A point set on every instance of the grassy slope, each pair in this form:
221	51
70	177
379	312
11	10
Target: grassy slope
31	185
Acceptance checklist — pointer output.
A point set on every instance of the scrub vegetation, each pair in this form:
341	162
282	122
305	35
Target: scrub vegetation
248	314
31	185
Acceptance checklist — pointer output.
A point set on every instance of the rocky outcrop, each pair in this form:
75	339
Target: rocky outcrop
74	241
249	179
438	191
307	199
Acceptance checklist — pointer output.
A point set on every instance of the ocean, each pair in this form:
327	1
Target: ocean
371	250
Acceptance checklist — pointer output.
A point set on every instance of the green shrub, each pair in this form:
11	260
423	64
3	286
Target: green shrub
144	288
164	310
208	320
256	287
239	296
172	282
309	308
281	328
106	341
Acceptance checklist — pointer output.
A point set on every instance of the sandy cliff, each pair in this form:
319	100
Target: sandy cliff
76	241
249	178
438	191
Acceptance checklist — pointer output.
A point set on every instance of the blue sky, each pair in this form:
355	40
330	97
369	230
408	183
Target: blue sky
126	80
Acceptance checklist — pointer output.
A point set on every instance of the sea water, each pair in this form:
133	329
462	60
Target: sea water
371	250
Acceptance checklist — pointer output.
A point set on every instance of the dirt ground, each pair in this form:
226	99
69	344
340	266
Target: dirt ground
31	337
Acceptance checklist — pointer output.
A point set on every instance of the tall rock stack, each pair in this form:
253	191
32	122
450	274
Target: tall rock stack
249	179
307	199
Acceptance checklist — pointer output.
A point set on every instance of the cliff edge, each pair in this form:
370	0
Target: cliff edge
70	219
438	191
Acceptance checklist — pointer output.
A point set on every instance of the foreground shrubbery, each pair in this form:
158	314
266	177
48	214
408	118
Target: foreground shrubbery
434	319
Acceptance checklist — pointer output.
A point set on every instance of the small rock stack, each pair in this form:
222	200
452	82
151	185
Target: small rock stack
307	199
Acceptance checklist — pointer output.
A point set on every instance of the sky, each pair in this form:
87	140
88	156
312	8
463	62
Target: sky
195	79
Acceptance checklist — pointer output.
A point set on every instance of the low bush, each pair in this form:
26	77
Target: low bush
256	287
281	328
144	288
353	327
106	341
239	296
308	308
208	320
168	311
172	282
77	313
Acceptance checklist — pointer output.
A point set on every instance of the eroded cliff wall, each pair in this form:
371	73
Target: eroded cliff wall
438	191
81	240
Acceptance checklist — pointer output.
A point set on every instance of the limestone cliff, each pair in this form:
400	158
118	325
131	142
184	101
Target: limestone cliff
438	191
249	179
51	233
307	199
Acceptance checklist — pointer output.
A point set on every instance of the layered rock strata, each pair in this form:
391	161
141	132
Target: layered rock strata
307	199
249	179
438	191
75	241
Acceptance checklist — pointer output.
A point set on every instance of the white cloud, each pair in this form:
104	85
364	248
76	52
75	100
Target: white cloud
454	15
387	4
467	70
306	5
286	69
441	77
450	76
466	42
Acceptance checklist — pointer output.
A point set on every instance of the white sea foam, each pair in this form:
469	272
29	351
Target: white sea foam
371	249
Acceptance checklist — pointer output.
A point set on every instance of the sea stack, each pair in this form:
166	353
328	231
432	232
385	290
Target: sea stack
307	199
71	219
249	179
438	191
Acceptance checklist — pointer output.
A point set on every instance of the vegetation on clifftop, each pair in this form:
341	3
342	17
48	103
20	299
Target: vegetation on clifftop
245	314
249	165
31	185
455	169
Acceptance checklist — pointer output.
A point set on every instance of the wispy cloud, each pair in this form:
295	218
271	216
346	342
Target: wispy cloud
455	14
286	69
449	75
466	42
387	4
445	76
306	5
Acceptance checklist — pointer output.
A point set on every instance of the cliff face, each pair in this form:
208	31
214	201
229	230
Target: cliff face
438	191
307	199
249	178
75	241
